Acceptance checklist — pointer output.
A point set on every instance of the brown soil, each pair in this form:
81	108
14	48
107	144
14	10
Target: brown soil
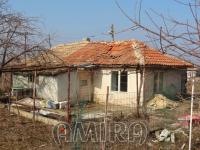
19	133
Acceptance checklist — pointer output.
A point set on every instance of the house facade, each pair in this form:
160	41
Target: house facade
131	69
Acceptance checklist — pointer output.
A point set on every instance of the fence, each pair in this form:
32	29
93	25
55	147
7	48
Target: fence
116	108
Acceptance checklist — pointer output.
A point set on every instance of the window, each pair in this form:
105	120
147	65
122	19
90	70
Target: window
114	81
30	78
123	81
158	82
83	83
119	81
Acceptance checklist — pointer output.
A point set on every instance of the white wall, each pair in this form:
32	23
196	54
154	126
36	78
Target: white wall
56	87
102	79
47	88
20	81
62	83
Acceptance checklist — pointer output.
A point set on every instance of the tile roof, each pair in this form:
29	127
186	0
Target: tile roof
53	56
131	52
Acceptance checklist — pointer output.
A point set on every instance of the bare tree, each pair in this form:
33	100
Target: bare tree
181	38
21	43
20	38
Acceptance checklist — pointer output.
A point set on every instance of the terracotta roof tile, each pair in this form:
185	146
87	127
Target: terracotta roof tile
122	53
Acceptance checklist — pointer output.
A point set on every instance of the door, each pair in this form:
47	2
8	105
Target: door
84	85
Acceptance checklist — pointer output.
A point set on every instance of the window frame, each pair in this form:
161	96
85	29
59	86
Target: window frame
126	74
158	82
119	81
116	87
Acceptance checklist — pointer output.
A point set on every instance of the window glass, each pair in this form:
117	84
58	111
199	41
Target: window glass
114	81
123	81
30	78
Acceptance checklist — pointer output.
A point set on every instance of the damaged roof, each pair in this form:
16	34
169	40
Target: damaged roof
48	57
131	52
105	54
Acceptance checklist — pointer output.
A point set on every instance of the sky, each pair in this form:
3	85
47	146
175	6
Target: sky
74	20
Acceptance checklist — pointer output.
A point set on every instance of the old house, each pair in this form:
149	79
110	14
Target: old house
131	69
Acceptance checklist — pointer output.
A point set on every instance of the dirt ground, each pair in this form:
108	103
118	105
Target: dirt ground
17	133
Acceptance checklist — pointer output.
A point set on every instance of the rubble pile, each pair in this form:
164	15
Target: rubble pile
165	136
161	102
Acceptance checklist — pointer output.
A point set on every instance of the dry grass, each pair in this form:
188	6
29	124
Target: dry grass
20	133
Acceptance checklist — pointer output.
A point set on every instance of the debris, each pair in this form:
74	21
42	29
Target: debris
164	135
161	102
93	115
29	102
52	105
183	146
167	139
44	112
62	105
173	138
43	103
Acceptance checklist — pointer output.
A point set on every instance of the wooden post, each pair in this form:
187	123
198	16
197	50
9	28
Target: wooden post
144	88
34	93
18	113
191	112
68	99
10	92
137	92
92	86
105	118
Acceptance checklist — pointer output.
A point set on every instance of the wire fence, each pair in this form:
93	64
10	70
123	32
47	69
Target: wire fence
116	108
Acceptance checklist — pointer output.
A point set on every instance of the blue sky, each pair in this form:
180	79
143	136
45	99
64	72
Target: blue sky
73	20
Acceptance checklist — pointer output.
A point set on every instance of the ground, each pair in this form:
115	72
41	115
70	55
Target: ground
20	133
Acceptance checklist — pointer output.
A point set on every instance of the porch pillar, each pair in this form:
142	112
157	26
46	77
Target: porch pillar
68	99
34	94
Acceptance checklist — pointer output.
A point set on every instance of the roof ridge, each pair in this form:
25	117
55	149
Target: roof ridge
71	44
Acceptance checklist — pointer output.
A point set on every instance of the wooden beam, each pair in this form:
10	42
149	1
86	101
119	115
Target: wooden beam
105	118
68	99
34	94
